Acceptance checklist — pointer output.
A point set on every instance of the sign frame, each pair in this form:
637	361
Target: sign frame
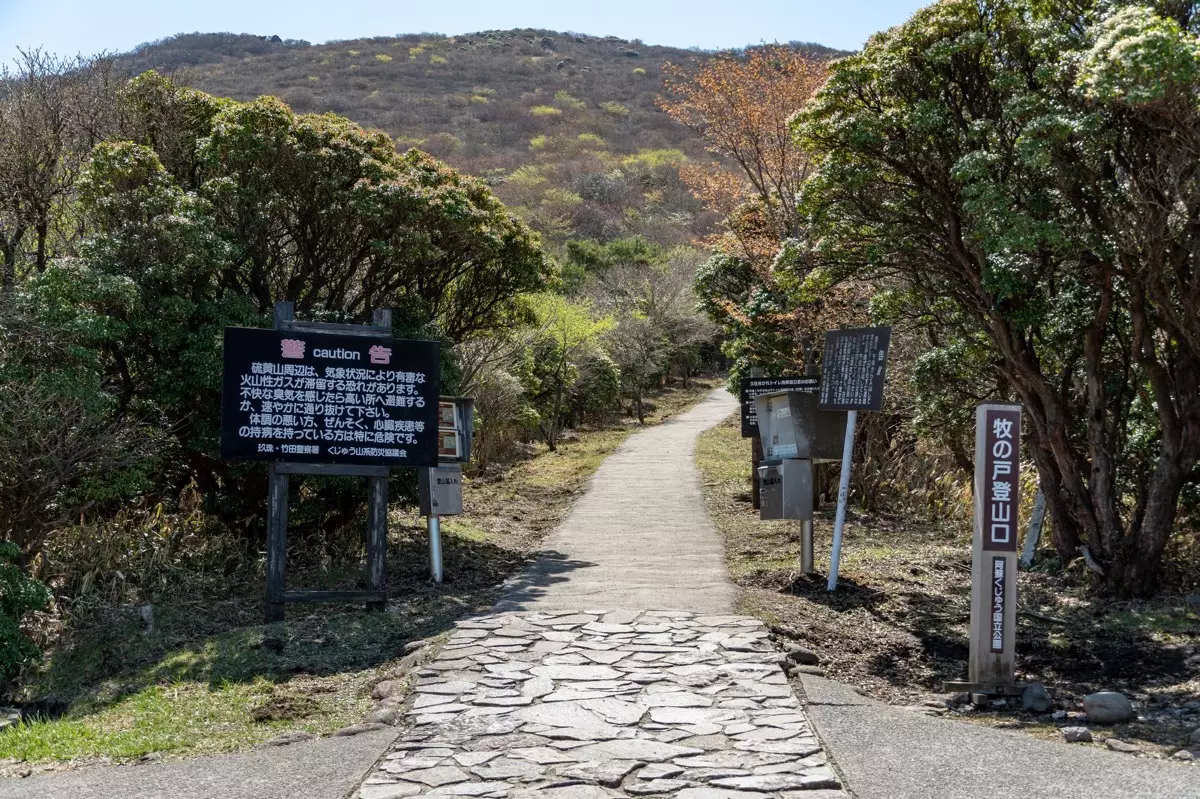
376	474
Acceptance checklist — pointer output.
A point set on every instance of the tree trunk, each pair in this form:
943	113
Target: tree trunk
1136	570
43	233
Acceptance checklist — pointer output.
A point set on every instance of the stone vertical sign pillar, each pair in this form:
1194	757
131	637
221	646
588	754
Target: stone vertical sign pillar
994	554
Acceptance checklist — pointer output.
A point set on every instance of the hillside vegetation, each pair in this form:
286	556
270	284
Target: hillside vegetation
565	127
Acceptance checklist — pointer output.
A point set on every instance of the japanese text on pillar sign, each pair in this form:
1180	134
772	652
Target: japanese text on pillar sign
1000	479
999	575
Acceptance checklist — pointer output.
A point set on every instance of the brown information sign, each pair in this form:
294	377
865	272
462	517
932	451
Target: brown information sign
1001	483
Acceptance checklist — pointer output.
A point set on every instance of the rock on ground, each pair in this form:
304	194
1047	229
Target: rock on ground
1036	699
1107	707
1077	734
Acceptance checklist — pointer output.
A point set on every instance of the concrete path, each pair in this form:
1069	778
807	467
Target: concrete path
624	673
888	752
640	537
328	768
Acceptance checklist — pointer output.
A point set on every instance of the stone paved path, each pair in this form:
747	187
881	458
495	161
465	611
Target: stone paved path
624	675
577	705
640	537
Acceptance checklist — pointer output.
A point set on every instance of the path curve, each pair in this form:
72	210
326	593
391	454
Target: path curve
640	537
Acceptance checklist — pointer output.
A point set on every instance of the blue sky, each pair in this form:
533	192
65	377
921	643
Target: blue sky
67	27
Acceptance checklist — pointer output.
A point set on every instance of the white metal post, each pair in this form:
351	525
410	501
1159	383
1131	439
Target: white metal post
435	549
843	496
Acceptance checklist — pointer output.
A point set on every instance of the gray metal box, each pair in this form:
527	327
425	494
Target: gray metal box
791	425
456	424
441	491
786	489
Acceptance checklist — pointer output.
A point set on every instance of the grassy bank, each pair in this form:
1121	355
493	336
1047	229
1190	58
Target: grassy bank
897	626
209	677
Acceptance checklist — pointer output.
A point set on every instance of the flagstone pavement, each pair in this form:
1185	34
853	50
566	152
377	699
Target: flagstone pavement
577	705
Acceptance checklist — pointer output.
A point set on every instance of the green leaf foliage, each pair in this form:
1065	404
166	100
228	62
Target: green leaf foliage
1025	171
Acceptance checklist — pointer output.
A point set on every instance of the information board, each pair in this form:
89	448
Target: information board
853	369
291	395
752	387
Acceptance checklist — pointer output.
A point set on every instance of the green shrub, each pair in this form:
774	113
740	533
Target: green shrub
19	594
545	111
564	99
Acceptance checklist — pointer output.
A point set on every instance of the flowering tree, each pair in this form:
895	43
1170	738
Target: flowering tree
1027	176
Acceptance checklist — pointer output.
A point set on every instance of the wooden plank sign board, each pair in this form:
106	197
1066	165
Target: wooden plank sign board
994	554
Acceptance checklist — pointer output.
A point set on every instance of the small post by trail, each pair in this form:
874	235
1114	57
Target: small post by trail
991	669
441	489
1034	531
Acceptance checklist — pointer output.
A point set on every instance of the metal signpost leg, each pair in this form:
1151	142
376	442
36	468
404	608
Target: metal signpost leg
843	496
435	549
806	546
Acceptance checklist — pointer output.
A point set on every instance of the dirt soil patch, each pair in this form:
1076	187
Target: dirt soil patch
897	626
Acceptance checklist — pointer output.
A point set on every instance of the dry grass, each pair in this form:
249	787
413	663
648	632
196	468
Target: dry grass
897	625
210	677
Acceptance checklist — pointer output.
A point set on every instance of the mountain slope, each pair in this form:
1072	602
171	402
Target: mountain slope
564	126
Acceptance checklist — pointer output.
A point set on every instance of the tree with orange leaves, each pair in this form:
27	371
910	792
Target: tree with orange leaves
741	103
741	106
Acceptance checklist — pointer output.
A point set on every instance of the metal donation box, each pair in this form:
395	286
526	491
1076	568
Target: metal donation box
441	491
791	426
795	433
786	489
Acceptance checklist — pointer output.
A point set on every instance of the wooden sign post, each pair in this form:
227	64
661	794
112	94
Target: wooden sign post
328	399
991	669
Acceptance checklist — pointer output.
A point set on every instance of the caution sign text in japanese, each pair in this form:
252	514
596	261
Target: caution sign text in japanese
329	398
